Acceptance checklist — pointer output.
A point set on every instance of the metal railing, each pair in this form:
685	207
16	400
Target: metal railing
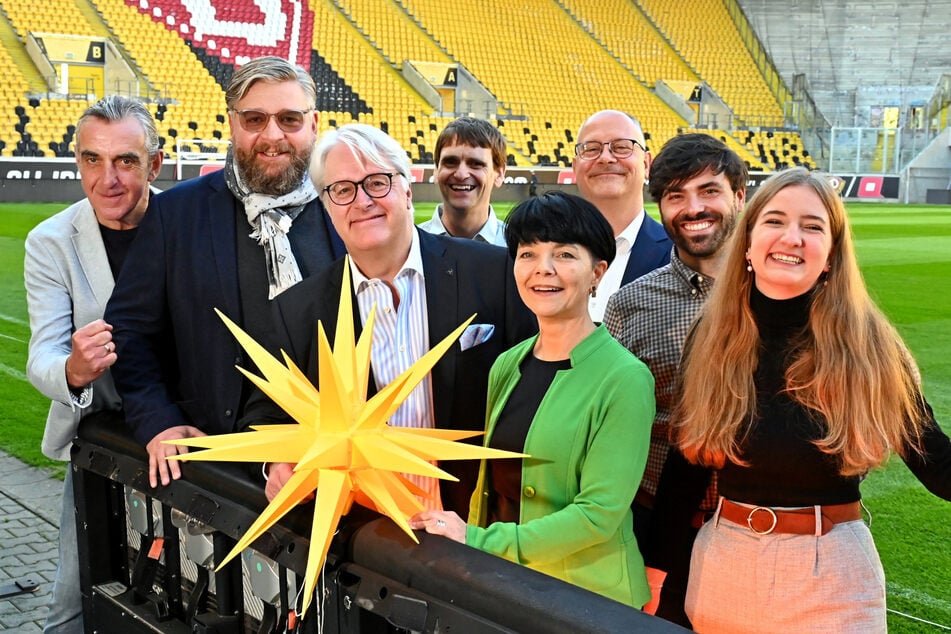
146	556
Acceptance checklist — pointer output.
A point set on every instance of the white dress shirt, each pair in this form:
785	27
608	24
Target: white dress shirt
492	232
400	338
612	277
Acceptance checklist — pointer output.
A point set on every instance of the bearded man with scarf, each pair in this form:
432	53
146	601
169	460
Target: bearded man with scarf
231	240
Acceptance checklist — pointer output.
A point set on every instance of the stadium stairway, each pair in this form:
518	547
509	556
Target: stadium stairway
11	43
94	18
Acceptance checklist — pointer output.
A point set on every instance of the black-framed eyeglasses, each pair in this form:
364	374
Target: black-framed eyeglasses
257	120
345	192
620	148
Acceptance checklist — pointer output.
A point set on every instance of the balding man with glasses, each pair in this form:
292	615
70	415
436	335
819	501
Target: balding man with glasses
234	240
611	165
423	285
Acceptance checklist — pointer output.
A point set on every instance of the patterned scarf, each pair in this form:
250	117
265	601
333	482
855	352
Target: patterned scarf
271	218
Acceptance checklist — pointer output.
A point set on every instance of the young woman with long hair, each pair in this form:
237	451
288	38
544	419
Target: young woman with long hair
794	386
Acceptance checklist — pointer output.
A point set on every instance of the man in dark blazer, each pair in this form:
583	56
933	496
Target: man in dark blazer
610	165
231	240
424	286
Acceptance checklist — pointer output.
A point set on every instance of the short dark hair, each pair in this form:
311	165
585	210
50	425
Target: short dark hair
476	133
685	156
563	218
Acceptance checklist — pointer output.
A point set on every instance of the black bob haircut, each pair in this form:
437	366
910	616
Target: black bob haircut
562	218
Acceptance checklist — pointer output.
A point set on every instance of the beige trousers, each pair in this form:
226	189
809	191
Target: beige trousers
744	582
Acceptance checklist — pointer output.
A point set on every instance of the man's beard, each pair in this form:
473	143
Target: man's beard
708	245
284	182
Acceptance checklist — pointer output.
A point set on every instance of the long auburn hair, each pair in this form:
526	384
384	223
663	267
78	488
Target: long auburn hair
851	369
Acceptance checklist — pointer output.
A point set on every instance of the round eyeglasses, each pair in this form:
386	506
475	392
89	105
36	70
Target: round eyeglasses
620	148
257	120
345	192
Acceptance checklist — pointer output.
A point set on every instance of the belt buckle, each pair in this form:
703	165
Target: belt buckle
772	513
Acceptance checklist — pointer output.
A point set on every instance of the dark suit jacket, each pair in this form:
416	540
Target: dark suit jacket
462	277
175	356
651	250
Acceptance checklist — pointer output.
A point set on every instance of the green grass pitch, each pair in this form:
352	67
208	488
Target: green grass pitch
905	253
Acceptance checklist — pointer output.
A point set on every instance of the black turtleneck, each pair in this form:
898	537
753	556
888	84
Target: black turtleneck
785	468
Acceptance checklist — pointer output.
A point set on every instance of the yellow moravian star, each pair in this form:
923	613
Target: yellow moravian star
343	448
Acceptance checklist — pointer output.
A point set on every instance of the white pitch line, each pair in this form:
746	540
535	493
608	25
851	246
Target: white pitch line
13	372
15	320
923	598
918	620
17	339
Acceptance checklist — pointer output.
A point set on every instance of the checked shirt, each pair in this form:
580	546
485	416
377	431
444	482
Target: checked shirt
651	317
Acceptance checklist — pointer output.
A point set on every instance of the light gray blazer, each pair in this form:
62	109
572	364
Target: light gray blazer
68	282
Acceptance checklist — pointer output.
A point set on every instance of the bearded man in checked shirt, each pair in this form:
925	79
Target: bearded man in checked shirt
699	185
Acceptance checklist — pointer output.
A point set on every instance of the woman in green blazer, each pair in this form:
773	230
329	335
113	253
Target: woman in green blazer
577	402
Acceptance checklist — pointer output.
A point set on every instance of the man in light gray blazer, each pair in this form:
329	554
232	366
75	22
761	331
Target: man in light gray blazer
72	260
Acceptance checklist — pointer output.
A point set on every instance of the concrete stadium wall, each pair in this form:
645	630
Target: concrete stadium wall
841	45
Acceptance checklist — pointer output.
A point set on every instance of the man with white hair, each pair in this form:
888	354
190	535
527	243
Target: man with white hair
423	286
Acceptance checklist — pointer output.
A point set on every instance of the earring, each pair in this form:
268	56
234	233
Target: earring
594	291
749	266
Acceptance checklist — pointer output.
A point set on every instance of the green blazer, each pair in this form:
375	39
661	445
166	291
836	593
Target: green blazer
588	445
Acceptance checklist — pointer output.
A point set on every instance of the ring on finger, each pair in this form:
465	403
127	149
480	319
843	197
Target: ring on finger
440	523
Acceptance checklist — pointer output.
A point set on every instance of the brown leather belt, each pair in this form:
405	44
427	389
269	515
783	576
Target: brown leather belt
764	520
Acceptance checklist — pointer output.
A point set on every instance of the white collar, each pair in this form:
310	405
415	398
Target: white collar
629	233
490	232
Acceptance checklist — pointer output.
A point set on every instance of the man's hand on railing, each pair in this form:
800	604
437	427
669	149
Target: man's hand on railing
159	467
278	473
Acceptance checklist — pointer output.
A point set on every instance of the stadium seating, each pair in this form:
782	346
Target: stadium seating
549	65
194	100
389	98
49	16
622	28
12	91
392	32
777	149
33	127
705	34
547	73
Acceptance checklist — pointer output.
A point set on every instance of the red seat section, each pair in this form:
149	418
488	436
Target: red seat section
238	30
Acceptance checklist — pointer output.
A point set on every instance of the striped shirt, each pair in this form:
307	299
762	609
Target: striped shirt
400	338
651	317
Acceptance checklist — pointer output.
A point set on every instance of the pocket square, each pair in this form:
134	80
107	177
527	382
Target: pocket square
476	334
